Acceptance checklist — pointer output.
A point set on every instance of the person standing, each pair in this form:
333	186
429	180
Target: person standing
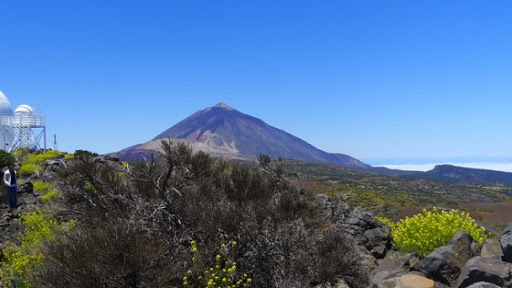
12	187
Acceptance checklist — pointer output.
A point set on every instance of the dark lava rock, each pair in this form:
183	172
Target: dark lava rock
490	270
446	262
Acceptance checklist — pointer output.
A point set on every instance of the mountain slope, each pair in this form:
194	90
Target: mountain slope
226	132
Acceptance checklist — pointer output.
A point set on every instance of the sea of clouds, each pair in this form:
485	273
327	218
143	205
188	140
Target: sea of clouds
498	163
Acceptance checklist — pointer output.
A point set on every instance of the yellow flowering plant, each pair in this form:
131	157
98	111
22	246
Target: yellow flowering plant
21	260
429	230
223	273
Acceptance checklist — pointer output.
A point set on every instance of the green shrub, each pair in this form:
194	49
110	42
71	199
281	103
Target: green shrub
85	153
33	158
69	156
429	230
29	169
6	158
47	193
41	186
50	154
221	273
20	261
50	196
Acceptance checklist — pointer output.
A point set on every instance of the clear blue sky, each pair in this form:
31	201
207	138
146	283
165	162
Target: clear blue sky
366	78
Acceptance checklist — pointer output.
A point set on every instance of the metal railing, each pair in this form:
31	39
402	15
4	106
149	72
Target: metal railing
23	121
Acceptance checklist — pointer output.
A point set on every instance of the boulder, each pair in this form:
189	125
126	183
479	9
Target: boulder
414	281
408	281
389	269
367	231
446	262
481	269
106	159
368	262
361	219
492	249
506	243
378	240
483	285
112	158
342	284
26	187
340	208
53	163
322	201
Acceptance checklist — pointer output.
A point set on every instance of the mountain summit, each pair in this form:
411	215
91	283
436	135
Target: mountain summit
223	131
223	105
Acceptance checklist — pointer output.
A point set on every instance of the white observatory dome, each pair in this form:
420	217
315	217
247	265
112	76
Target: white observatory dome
5	105
24	110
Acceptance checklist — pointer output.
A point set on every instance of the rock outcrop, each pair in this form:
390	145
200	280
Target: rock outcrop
461	263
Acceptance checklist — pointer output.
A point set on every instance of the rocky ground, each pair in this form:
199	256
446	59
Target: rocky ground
10	221
461	263
28	200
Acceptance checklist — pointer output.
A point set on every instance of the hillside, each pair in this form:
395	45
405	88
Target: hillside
193	221
398	197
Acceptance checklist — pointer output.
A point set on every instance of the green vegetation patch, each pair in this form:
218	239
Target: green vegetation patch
37	158
85	153
6	158
21	260
29	169
429	230
41	186
50	196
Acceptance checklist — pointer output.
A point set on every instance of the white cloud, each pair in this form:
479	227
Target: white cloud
410	167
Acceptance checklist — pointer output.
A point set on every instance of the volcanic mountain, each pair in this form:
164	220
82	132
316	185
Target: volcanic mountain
225	132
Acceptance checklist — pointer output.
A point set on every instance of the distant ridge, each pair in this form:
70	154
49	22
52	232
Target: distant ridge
460	175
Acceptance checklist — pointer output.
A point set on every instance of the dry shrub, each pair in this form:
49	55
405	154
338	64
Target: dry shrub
133	225
117	254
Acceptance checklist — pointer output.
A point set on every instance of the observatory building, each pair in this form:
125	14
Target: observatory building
23	129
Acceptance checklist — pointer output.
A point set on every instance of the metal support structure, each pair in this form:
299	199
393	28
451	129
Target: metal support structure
26	131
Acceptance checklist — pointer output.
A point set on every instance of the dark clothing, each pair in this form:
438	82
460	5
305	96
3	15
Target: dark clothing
12	195
10	182
13	177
